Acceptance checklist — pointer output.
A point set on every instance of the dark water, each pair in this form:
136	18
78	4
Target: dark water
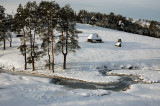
123	84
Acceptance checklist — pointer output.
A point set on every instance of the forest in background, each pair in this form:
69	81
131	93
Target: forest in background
119	22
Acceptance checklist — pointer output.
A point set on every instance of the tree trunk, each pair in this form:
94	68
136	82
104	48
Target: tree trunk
49	58
64	62
66	50
10	43
4	41
25	60
52	45
64	54
31	46
33	63
34	38
10	39
25	57
32	58
52	54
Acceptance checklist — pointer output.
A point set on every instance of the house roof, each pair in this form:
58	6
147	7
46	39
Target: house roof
94	36
118	44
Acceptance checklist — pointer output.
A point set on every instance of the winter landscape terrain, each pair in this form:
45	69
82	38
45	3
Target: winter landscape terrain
97	64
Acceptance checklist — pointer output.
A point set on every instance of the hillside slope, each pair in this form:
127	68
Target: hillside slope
138	52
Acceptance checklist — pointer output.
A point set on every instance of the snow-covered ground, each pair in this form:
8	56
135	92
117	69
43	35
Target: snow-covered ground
33	91
139	52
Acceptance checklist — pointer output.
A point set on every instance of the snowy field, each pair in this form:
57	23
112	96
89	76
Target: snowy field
139	52
32	91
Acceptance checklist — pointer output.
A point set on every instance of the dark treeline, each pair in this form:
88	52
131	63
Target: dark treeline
119	22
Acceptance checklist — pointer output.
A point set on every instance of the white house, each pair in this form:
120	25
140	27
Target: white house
94	38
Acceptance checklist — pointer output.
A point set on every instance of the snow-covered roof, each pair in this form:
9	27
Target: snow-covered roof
118	44
94	36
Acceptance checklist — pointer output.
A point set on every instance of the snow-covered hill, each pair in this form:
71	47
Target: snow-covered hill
140	53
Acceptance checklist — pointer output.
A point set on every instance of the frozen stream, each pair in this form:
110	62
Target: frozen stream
122	85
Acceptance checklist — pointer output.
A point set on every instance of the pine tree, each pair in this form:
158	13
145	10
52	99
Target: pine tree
84	17
153	28
68	39
27	19
32	29
45	29
48	15
2	15
2	26
111	21
19	25
6	22
104	21
9	26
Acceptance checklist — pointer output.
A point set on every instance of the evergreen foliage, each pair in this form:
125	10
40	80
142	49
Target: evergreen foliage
48	16
118	22
6	22
9	26
28	21
19	26
67	41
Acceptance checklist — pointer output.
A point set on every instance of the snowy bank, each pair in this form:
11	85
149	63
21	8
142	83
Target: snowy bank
34	91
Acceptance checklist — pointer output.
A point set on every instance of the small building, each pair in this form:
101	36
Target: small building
19	36
94	38
119	43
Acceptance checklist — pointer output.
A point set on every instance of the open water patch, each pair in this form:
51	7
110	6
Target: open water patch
123	84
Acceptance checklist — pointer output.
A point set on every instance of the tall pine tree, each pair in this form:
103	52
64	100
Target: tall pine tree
32	23
3	27
9	26
68	39
27	20
19	26
48	15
